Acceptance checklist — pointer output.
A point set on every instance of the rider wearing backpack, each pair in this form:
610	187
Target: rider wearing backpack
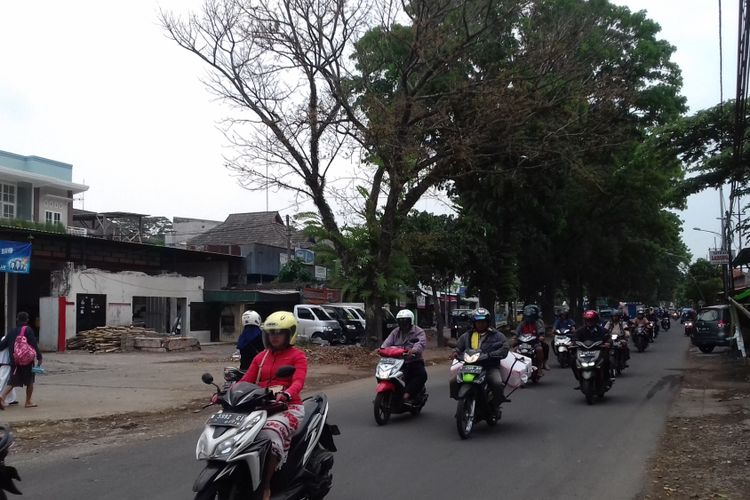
23	345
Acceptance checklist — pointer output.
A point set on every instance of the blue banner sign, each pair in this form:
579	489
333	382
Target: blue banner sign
15	257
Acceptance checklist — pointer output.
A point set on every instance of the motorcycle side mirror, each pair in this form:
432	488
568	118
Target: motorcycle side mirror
285	371
207	378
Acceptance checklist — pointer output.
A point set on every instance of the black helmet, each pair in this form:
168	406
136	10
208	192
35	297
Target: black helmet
480	314
531	312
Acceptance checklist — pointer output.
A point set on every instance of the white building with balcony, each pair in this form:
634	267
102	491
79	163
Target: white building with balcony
36	189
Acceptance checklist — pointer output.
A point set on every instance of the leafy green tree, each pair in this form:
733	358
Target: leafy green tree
703	283
294	271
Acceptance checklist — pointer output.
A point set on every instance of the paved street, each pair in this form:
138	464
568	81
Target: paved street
550	444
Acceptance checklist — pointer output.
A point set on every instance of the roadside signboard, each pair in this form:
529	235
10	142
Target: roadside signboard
719	257
320	272
15	257
305	255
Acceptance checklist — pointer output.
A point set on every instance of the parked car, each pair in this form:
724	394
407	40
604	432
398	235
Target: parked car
389	320
460	321
712	328
351	326
314	325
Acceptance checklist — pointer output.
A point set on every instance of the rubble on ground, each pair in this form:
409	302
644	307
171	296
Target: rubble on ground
108	339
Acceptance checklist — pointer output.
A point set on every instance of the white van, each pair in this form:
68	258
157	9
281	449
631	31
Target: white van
314	325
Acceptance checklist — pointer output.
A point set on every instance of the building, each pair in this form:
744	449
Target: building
185	229
261	238
38	190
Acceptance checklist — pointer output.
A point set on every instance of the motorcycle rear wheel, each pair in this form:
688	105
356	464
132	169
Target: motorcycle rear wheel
382	407
465	412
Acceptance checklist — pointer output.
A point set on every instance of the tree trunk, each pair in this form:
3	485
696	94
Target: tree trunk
548	304
439	321
487	298
374	310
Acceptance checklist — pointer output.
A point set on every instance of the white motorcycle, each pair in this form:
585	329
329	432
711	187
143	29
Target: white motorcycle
561	343
236	459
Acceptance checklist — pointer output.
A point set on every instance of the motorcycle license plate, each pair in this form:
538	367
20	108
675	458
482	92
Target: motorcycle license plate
226	419
524	347
472	369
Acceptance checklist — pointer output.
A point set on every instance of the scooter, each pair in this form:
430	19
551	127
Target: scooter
561	345
7	473
641	338
619	353
389	393
236	460
475	399
595	379
527	346
665	323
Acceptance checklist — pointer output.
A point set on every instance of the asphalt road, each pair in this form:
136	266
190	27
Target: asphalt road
550	444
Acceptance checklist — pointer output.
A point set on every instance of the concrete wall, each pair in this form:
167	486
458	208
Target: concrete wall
54	200
120	288
215	274
185	229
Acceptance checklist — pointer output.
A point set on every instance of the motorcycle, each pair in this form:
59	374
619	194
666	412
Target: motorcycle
619	353
236	460
389	394
7	473
654	327
590	359
527	343
641	338
561	344
689	327
665	323
476	402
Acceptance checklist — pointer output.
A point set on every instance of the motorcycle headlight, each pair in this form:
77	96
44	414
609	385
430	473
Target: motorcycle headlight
201	450
250	423
351	327
614	336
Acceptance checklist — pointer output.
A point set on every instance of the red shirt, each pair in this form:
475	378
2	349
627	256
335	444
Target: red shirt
290	356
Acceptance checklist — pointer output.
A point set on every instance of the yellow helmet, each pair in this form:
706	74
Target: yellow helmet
280	321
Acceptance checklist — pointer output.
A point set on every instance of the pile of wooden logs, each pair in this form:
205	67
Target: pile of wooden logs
109	338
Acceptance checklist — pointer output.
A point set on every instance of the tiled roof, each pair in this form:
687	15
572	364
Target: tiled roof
266	228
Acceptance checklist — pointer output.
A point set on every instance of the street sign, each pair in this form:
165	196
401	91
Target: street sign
15	257
305	255
719	257
283	259
421	302
320	272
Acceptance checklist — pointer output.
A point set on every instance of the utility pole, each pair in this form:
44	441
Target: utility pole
288	240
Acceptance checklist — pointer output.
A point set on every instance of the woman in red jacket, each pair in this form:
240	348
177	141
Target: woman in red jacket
279	336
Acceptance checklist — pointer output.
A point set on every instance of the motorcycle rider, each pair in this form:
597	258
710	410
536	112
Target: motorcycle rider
594	331
621	328
563	321
250	342
642	320
411	337
279	335
533	325
494	347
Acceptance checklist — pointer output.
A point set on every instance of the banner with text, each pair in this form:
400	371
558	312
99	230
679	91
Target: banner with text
15	257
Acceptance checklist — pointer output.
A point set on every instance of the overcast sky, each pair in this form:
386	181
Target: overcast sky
98	85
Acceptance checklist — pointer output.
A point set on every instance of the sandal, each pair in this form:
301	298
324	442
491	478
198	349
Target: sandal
32	405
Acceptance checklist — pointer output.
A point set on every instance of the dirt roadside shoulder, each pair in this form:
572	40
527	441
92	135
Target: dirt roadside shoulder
329	366
705	449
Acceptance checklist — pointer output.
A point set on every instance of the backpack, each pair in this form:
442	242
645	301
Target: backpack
23	353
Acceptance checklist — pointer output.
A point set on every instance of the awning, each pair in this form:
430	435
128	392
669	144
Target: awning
249	296
742	259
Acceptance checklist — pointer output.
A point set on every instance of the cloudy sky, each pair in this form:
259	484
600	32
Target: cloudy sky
97	84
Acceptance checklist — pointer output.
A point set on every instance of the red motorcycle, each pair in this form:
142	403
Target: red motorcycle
389	393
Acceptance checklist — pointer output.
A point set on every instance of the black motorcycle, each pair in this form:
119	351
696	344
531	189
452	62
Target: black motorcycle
475	399
641	338
619	353
665	323
7	473
590	361
236	459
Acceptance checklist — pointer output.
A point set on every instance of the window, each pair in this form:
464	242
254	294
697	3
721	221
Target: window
321	314
52	217
8	200
304	313
708	315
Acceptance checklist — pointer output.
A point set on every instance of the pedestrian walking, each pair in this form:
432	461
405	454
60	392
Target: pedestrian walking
22	344
5	376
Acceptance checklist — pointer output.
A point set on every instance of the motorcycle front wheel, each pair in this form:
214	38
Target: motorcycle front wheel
587	387
382	407
465	416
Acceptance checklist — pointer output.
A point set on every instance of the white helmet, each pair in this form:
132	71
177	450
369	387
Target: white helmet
251	318
405	318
